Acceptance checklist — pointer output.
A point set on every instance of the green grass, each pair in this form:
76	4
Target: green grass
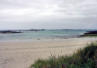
90	35
84	58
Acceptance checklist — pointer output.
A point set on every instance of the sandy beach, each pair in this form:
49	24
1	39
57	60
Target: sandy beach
21	54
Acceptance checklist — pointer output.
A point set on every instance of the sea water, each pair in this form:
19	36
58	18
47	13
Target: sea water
46	34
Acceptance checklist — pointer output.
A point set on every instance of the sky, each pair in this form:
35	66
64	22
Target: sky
48	14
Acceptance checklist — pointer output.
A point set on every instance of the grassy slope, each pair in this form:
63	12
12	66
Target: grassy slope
84	58
90	35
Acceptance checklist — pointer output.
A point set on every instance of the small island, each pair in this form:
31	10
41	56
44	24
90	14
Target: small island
9	32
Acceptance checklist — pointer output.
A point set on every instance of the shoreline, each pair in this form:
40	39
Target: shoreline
53	39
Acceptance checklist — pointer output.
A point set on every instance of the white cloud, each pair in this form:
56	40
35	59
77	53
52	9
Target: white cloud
38	13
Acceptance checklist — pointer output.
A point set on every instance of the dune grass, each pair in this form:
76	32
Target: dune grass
90	35
83	58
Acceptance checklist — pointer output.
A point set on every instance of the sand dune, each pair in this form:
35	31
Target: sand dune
21	54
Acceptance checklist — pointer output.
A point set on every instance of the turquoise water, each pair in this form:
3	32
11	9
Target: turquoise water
47	34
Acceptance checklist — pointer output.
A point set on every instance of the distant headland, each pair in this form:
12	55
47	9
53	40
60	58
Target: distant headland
90	33
18	31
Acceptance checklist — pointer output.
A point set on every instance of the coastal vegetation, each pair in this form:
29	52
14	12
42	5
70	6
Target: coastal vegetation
83	58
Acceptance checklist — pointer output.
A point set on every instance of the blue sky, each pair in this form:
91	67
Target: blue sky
51	14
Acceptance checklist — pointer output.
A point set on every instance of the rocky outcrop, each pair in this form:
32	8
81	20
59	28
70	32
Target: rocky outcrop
90	33
9	32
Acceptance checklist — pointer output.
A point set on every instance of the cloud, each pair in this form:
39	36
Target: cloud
55	13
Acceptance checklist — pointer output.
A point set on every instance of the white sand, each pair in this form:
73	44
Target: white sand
21	54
